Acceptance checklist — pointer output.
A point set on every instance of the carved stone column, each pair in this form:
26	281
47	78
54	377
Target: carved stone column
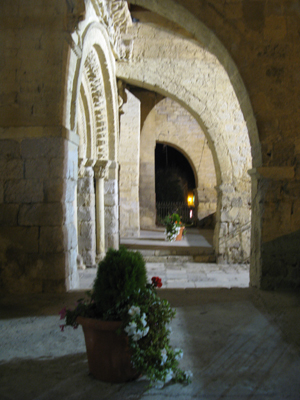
100	169
111	198
86	215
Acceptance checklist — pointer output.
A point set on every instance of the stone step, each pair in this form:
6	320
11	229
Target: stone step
207	259
176	255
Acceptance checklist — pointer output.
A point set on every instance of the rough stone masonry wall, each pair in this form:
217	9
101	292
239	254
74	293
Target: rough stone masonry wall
263	39
194	77
129	158
37	233
38	157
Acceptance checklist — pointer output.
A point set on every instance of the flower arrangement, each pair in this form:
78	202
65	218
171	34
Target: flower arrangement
121	293
173	225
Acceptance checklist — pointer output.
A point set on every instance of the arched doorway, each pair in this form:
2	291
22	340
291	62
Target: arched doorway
174	185
92	112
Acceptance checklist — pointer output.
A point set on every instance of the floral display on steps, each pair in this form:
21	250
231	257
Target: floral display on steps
173	226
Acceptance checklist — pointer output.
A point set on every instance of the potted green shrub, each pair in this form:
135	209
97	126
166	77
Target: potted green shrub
126	323
174	228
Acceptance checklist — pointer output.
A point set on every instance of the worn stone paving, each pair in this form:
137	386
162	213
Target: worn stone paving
187	275
233	346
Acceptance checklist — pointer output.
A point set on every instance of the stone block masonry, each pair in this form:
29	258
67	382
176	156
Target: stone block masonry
37	230
129	156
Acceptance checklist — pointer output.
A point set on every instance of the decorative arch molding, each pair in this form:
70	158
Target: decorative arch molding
98	148
91	110
95	60
83	125
114	14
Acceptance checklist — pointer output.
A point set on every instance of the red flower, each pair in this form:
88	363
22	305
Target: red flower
63	313
156	281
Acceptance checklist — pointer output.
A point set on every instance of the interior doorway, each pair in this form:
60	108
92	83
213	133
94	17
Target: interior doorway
175	185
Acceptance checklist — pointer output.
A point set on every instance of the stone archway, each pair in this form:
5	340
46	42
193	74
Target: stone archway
92	128
170	123
91	110
183	70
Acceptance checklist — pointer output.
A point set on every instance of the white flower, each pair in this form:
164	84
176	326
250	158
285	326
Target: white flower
143	320
138	335
188	374
134	311
169	375
146	330
164	356
130	329
178	354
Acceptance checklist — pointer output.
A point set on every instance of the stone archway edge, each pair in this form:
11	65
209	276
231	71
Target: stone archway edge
206	92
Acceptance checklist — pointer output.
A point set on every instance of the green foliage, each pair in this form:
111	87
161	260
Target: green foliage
85	308
152	354
120	274
173	225
121	292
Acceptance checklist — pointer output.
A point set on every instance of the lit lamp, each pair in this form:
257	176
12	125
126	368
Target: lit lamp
191	200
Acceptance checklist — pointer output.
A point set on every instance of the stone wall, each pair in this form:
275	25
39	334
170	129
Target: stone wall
186	72
262	38
43	50
129	158
38	238
251	45
38	156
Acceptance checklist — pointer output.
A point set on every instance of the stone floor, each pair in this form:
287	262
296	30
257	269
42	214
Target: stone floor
172	262
239	343
156	239
187	275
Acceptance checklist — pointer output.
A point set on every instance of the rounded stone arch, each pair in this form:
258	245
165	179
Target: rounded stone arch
195	79
91	111
83	125
95	54
98	128
206	38
184	153
170	123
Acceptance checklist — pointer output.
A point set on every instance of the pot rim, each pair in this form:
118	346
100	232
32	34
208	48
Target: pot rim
98	324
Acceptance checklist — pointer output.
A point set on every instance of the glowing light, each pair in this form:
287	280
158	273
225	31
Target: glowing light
190	200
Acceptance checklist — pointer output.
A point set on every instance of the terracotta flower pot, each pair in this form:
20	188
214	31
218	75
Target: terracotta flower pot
108	353
179	236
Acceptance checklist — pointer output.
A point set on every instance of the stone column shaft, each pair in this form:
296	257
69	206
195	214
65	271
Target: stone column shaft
100	222
100	169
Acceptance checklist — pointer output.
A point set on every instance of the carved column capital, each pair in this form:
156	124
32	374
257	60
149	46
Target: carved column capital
101	169
83	167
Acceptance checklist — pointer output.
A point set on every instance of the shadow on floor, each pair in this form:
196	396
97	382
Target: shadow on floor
239	343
